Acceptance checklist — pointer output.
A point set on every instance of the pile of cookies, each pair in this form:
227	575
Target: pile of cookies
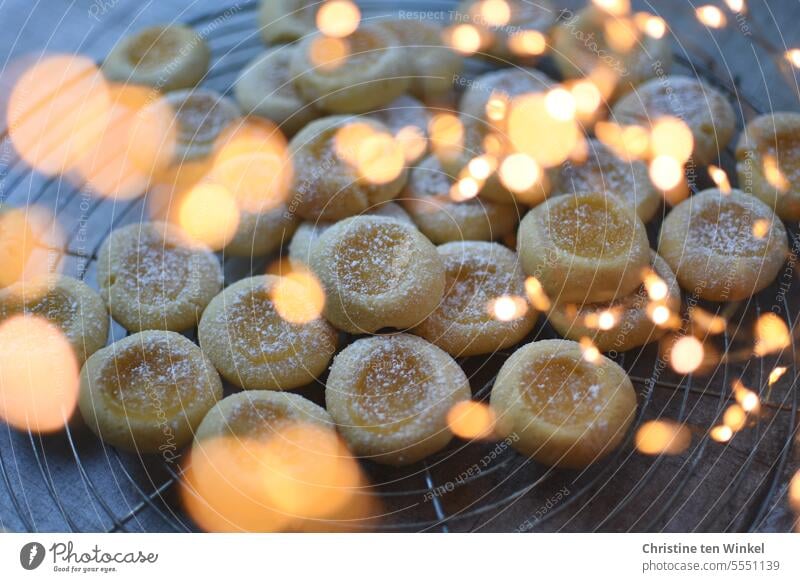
399	206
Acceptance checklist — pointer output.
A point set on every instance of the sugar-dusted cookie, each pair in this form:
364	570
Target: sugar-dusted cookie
566	411
584	247
484	281
286	20
723	246
377	272
258	343
153	277
390	395
148	392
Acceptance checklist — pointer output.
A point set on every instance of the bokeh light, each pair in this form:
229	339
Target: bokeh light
663	437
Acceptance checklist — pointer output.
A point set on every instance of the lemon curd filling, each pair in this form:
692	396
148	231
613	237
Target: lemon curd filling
589	227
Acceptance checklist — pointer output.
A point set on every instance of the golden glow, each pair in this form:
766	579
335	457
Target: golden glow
38	374
496	107
655	286
711	16
672	137
774	175
666	172
721	434
560	104
349	138
772	335
776	374
446	134
471	420
735	417
519	173
615	7
709	323
662	437
465	189
590	352
413	142
720	178
338	18
747	399
587	97
482	167
687	354
298	296
328	53
57	112
508	308
621	34
761	227
736	5
535	132
629	143
659	314
209	215
527	43
793	56
380	159
258	182
794	492
606	320
653	26
25	235
536	294
495	12
465	38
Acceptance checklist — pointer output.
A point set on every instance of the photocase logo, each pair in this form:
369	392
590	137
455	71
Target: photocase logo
31	555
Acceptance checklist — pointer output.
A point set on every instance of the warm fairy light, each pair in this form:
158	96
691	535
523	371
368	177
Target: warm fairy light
496	108
606	320
57	112
653	26
587	97
711	16
258	182
735	417
621	34
471	420
466	39
338	18
794	492
747	399
666	172
481	167
655	286
761	227
413	142
536	294
776	374
38	374
380	159
671	137
519	172
527	43
465	189
615	7
209	215
446	134
298	296
24	258
736	5
560	104
721	433
774	175
535	132
686	355
495	12
590	352
348	140
772	335
328	53
793	56
709	323
508	308
662	437
247	136
659	314
629	143
720	178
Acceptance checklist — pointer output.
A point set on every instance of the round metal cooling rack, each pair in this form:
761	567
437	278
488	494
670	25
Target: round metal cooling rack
74	482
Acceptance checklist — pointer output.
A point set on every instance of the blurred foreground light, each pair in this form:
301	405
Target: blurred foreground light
711	16
772	335
338	18
471	420
38	374
209	215
298	296
686	355
663	437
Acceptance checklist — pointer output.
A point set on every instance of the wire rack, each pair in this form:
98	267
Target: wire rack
73	482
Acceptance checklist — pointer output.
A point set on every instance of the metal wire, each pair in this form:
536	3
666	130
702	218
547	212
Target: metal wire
234	42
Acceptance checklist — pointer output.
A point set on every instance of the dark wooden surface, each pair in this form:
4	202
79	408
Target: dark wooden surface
709	487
